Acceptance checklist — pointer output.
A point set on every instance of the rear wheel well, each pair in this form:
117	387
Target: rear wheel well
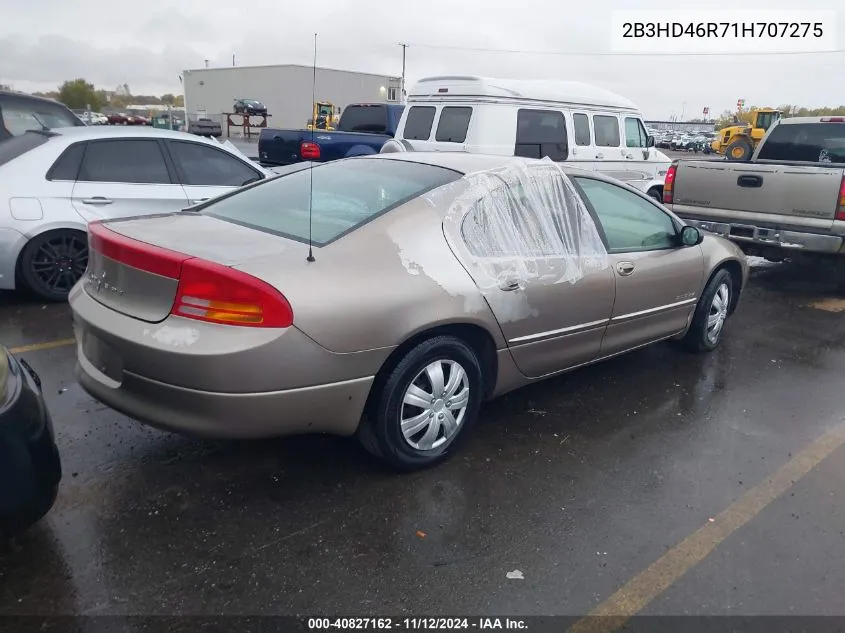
478	339
18	279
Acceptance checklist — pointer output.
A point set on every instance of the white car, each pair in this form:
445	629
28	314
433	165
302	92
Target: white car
53	182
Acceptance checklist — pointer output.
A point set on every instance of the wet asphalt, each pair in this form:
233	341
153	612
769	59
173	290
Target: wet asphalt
580	483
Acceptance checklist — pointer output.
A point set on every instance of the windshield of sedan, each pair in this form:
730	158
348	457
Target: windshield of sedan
344	195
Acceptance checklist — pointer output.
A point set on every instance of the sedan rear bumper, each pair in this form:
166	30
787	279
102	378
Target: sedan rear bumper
330	408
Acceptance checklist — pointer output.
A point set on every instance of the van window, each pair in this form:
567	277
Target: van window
418	123
541	133
453	124
582	129
635	134
607	130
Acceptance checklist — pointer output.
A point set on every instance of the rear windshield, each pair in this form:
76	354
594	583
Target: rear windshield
364	119
19	115
15	146
346	195
805	142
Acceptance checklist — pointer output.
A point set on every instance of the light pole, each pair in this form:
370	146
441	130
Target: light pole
683	107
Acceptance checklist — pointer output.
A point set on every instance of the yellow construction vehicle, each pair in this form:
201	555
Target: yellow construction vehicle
323	116
737	142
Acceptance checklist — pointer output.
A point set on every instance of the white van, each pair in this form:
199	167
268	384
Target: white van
583	125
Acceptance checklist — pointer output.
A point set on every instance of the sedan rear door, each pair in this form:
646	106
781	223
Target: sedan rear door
539	262
207	172
122	177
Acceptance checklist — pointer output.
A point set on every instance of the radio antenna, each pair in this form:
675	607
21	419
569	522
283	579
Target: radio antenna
310	257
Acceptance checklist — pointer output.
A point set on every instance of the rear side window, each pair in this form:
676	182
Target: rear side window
201	165
67	165
541	133
806	142
453	125
581	122
126	160
359	118
606	130
16	146
418	123
346	195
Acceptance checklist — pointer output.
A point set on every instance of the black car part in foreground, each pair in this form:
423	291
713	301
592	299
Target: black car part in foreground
30	467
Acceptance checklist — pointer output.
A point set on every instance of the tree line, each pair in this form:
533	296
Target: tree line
745	115
78	94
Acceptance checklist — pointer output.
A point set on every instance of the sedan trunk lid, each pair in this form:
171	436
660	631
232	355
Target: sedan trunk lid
134	264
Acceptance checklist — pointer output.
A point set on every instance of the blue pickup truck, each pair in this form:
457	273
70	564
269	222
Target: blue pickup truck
362	130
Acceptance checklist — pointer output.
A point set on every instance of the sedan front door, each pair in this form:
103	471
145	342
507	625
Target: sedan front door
207	172
125	177
657	278
530	255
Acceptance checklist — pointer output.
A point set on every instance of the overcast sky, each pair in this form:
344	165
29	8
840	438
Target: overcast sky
147	45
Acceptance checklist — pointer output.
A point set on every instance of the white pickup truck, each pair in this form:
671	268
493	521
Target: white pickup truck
788	200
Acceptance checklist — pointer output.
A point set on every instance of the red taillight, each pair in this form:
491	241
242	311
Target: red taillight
309	150
206	291
669	184
833	119
840	209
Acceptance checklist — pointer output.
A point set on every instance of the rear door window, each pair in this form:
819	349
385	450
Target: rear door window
137	161
805	142
606	129
541	133
418	123
581	123
198	164
453	124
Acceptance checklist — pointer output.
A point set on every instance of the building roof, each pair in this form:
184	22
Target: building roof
270	66
523	89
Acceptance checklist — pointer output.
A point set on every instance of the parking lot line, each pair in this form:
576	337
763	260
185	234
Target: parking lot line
35	347
638	592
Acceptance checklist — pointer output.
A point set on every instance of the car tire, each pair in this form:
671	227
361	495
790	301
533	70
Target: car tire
431	439
655	193
712	311
65	249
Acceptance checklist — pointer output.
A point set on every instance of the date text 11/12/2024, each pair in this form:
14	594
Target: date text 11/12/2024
416	624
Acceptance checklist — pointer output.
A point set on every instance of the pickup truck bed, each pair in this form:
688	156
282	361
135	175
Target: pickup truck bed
362	130
770	207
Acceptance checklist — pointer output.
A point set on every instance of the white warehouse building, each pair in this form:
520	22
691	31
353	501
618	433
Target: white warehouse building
286	90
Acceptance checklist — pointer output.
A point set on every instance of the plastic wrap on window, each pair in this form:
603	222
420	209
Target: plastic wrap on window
522	223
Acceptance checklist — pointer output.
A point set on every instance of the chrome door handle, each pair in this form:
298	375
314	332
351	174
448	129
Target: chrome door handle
97	200
625	268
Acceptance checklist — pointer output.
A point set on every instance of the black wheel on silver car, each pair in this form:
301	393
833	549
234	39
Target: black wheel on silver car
711	313
51	263
656	194
424	405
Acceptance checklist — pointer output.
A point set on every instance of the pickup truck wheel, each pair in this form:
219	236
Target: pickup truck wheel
711	313
739	151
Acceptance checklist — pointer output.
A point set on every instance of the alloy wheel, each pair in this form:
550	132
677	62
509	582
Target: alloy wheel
60	262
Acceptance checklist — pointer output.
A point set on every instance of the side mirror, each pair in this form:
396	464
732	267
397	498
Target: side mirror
691	236
649	141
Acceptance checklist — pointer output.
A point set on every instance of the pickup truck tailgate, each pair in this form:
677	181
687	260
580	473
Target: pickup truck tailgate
775	189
